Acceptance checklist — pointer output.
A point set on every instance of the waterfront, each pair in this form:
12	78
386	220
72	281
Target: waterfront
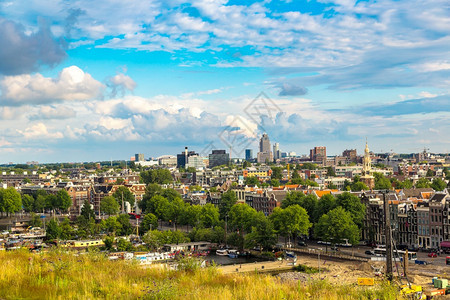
224	260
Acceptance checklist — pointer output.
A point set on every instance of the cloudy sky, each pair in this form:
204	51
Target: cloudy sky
88	81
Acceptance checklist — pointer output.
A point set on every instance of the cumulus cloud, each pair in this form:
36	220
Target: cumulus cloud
72	84
40	131
120	84
54	112
23	52
288	89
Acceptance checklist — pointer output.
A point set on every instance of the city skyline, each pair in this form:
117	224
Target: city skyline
85	83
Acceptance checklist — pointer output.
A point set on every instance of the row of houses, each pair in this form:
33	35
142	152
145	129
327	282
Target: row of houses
419	217
80	193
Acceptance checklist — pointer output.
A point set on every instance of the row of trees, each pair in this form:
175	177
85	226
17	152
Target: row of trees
41	200
10	201
383	183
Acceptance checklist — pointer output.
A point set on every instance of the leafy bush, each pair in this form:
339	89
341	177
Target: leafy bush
306	269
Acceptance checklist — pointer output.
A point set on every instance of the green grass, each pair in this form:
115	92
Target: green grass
61	275
306	269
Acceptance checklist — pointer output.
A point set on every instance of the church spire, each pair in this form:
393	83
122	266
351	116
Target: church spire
367	162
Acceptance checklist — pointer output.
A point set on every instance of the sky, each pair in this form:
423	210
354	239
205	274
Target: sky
90	81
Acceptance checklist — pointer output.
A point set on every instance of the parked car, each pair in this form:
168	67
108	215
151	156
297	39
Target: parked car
370	252
432	254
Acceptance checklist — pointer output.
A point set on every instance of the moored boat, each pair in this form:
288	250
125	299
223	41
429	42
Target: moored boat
222	252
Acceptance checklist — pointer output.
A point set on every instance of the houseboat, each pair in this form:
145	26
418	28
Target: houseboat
82	244
153	257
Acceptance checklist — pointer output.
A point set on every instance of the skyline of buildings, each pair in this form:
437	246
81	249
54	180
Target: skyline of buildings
93	85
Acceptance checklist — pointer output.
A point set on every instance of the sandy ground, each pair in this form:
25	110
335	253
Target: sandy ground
348	272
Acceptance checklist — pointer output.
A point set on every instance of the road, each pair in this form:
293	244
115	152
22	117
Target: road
360	251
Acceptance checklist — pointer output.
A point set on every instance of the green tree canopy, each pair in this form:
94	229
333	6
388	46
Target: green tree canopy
209	215
149	222
358	186
438	184
53	230
10	200
423	183
151	190
381	182
277	173
109	205
39	203
124	193
86	211
337	225
241	217
353	205
67	231
330	172
170	194
227	201
275	182
262	233
326	203
63	200
159	176
291	220
292	198
126	227
28	202
111	225
251	180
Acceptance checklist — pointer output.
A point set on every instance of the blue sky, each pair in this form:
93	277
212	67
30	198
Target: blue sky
85	82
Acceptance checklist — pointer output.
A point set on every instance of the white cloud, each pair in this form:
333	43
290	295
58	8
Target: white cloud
120	84
4	142
54	112
40	131
72	84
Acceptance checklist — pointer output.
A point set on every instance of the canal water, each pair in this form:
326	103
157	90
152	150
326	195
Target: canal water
225	260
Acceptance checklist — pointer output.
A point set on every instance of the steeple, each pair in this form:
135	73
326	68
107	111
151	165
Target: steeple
367	177
367	162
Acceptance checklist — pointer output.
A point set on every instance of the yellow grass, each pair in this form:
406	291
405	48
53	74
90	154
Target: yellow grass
61	275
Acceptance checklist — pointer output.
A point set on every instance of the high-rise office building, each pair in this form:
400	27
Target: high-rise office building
264	143
248	154
139	157
276	151
182	158
265	154
218	158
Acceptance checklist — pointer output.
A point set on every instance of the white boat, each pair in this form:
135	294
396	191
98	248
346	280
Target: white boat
153	257
222	252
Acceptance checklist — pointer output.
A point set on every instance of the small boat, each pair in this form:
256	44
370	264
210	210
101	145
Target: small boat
222	252
233	253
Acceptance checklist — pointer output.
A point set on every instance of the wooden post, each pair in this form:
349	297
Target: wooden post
405	263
